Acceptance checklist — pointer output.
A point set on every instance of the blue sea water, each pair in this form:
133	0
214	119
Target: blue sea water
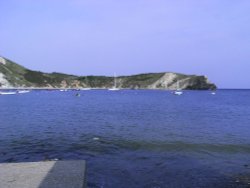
134	138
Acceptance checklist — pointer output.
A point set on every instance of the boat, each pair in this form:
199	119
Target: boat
114	88
213	93
85	89
178	91
8	93
63	90
23	91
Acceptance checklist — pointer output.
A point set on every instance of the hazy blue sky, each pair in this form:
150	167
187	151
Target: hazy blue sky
99	37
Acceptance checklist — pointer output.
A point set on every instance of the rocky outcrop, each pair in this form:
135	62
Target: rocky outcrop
14	75
3	82
2	61
179	81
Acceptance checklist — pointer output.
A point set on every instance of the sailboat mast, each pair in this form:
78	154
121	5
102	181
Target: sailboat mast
114	80
86	81
114	88
177	85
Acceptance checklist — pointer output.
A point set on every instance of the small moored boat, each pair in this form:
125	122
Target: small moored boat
114	88
178	91
8	93
23	91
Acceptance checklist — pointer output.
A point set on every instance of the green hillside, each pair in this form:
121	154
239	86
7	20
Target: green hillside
14	75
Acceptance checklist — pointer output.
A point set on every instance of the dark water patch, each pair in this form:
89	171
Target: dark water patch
173	171
242	179
182	146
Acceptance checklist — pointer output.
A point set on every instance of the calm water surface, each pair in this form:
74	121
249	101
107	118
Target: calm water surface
134	138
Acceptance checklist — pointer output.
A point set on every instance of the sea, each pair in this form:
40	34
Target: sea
134	138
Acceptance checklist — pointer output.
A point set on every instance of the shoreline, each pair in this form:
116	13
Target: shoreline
59	88
84	89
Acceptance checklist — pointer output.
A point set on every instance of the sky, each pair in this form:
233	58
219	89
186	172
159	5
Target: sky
100	37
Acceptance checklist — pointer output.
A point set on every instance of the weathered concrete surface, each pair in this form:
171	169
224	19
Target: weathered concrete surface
48	174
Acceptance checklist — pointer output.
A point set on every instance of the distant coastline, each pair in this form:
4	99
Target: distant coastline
15	76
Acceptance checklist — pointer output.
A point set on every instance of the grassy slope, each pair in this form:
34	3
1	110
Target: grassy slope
14	73
20	76
140	80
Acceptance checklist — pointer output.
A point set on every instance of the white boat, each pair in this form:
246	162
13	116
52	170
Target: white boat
8	93
114	88
85	89
23	91
178	91
213	93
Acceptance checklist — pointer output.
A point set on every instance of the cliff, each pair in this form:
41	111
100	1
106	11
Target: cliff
14	75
